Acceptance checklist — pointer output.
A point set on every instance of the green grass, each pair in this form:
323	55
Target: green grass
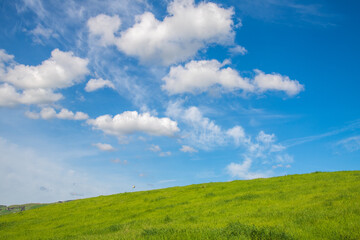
18	208
308	206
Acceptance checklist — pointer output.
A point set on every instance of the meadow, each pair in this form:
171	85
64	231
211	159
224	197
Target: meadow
308	206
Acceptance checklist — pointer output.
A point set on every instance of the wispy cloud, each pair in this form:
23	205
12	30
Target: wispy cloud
351	144
297	141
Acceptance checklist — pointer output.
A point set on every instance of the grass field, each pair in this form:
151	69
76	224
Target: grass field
18	208
308	206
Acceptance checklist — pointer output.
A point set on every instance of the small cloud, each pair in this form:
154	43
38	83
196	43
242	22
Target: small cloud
242	170
188	149
95	84
155	148
104	147
238	50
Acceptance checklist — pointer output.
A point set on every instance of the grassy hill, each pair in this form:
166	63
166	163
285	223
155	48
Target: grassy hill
18	208
308	206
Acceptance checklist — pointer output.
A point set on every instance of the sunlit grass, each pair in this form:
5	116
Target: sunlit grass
310	206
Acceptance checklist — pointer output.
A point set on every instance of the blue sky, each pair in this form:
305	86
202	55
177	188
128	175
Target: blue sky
98	96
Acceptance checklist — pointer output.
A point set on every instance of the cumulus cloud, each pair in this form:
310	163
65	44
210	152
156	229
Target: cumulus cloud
50	113
199	76
277	82
36	84
104	147
104	27
130	122
186	29
61	70
9	96
242	170
95	84
185	148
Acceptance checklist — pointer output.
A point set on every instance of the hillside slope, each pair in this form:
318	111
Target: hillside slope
18	208
309	206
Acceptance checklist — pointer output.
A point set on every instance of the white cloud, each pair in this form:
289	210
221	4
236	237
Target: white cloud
9	96
237	133
243	170
104	147
36	84
238	50
155	148
42	32
201	131
277	82
187	29
95	84
61	70
199	76
4	58
265	138
185	148
262	149
131	121
104	26
50	113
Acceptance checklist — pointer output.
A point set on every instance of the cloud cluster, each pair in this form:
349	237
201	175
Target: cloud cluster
50	113
24	84
130	122
157	149
199	76
264	148
242	170
206	134
95	84
188	28
200	131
